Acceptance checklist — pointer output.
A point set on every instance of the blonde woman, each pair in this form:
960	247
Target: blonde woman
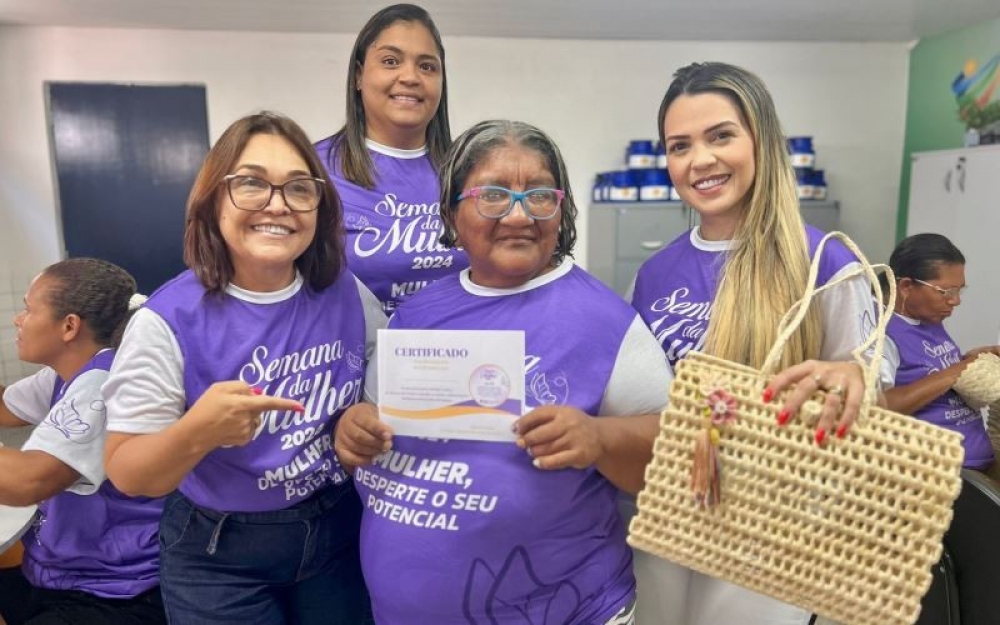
723	287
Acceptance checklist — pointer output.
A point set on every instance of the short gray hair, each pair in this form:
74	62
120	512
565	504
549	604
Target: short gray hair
478	142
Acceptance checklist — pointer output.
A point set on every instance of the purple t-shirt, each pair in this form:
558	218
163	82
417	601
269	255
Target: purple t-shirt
926	348
309	347
104	543
675	289
393	229
470	532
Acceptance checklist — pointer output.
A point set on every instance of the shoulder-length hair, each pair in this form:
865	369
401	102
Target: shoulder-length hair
206	252
475	145
349	142
766	271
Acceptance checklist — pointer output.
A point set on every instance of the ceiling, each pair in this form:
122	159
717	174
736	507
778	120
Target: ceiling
726	20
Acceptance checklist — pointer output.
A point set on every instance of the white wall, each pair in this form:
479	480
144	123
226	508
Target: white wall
591	96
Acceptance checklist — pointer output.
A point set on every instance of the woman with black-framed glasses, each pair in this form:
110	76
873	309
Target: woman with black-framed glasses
227	386
920	355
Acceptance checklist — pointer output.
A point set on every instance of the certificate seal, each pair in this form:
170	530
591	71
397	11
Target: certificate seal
489	386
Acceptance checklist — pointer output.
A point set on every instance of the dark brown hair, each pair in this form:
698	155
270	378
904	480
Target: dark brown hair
206	252
349	142
96	291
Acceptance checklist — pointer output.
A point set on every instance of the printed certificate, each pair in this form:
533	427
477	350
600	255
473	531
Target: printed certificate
451	384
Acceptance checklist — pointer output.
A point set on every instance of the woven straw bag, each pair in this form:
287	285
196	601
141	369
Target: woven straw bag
849	530
979	383
993	427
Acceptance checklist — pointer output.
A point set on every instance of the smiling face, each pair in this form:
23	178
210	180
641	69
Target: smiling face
263	245
506	253
927	304
710	156
400	83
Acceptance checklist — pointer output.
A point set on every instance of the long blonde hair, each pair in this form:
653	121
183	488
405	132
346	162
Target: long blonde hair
766	271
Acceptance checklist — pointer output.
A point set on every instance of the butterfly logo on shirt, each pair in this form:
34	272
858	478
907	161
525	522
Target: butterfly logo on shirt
357	222
548	392
67	419
516	590
356	362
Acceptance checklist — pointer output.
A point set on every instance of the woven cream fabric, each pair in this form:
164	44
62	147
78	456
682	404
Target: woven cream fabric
979	383
849	530
993	427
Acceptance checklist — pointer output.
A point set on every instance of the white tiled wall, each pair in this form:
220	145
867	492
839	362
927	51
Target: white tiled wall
12	287
13	284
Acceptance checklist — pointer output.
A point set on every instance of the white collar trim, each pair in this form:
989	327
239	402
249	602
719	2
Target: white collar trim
710	246
271	297
374	146
546	278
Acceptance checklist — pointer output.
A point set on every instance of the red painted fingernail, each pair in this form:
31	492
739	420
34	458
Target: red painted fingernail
256	391
784	416
820	435
842	431
768	394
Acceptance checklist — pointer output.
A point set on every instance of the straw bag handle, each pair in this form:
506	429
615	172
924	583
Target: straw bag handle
797	313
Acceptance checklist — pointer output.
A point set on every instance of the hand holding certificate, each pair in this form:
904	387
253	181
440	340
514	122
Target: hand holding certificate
452	384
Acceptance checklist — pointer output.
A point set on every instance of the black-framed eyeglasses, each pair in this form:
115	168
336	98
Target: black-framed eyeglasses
497	202
251	193
954	292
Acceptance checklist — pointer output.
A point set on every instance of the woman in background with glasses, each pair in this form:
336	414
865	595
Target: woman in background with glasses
384	160
920	355
228	383
546	545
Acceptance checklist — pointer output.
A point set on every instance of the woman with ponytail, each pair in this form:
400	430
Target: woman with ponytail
91	556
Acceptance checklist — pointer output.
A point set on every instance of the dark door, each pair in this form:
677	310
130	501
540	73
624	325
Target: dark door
125	157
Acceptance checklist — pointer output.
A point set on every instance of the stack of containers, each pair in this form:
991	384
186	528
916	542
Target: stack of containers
645	178
810	181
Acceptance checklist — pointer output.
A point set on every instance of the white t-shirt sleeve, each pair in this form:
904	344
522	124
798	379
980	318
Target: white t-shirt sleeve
73	431
371	380
844	308
890	364
375	319
145	391
29	397
641	378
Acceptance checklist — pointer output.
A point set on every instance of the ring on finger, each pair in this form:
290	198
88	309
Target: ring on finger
837	390
818	378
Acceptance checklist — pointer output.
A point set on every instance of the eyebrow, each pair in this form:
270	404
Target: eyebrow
399	51
263	170
707	130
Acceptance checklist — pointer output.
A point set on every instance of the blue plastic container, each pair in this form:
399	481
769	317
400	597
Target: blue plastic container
640	154
654	185
801	151
623	187
804	183
661	155
819	184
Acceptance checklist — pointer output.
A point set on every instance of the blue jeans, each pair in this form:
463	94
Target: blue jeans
294	566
